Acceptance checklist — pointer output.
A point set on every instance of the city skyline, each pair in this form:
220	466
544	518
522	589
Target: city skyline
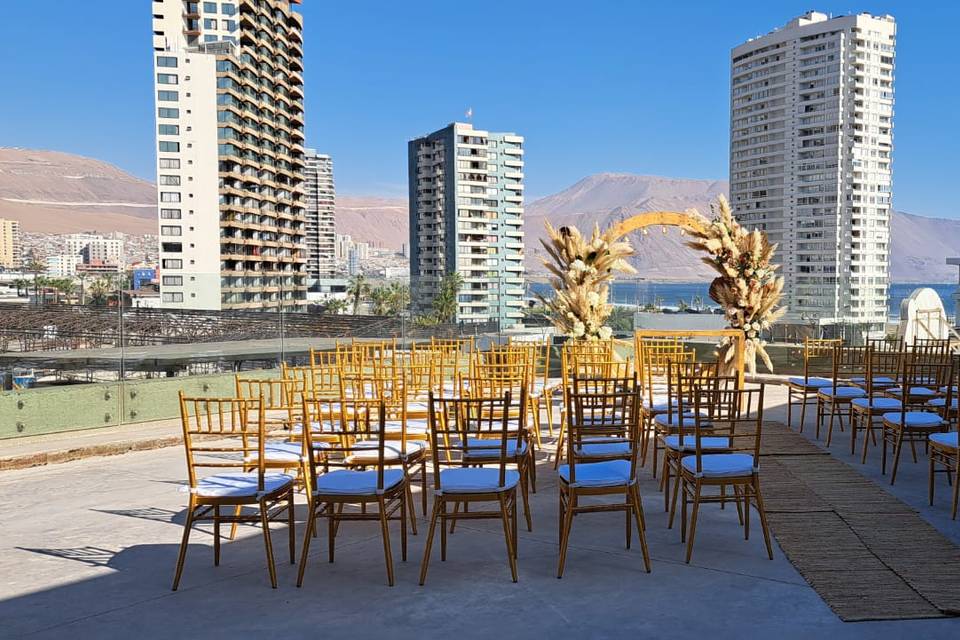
595	97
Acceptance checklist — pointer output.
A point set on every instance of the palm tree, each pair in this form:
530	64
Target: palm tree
357	289
380	301
399	298
445	303
83	281
22	285
698	302
334	306
100	290
36	268
65	286
682	305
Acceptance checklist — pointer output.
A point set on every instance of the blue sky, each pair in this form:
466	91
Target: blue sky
594	86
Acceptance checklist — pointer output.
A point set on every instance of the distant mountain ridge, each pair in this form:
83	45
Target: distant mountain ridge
54	192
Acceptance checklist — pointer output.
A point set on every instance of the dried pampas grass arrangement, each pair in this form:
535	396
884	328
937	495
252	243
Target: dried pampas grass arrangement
582	270
747	287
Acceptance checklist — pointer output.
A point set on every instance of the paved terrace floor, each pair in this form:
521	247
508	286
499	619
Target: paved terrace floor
88	550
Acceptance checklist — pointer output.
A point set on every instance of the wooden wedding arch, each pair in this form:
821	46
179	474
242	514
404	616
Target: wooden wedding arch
688	221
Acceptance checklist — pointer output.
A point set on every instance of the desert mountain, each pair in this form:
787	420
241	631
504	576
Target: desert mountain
54	192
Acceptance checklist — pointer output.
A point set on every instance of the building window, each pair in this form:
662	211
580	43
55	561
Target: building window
168	96
169	163
172	264
173	296
168	129
169	196
167	78
170	181
168	112
209	7
229	25
209	23
173	281
166	61
228	9
170	214
171	247
167	230
169	146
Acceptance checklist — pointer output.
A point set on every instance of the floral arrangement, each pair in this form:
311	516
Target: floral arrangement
582	269
747	287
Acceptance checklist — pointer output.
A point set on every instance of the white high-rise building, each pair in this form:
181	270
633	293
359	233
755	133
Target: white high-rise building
811	142
466	216
92	248
320	227
230	162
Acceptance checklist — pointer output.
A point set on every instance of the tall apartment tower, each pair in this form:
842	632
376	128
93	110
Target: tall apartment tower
230	161
466	215
811	142
10	244
320	228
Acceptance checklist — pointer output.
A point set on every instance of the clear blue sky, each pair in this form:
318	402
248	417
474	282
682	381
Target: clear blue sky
594	86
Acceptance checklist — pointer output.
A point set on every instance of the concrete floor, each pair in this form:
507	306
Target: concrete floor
88	550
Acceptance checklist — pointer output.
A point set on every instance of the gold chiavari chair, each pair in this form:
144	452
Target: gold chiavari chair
586	365
602	417
944	446
324	358
219	433
739	468
817	365
847	362
493	381
916	420
545	386
407	434
662	416
360	432
656	355
883	369
281	400
454	424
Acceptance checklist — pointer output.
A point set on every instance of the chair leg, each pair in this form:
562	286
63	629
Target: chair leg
429	544
693	520
182	556
532	462
548	396
526	500
385	533
956	487
291	528
311	526
268	543
423	496
508	535
833	415
443	527
333	526
638	515
408	499
513	521
867	431
746	515
803	410
233	529
565	531
673	503
789	407
405	505
216	535
930	467
762	512
896	455
628	508
559	452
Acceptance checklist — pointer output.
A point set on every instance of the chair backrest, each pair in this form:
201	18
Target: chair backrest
885	344
683	381
818	357
603	408
882	364
220	433
355	424
930	349
735	414
848	362
456	422
281	397
920	371
324	358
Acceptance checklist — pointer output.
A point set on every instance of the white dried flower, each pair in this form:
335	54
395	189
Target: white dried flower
605	333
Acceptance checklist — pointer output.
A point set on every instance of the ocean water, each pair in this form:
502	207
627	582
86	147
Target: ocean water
644	292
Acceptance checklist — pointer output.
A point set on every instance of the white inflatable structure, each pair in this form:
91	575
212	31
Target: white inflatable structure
922	316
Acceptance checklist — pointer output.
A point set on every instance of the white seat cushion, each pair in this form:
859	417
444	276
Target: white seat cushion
415	426
366	451
941	402
914	391
417	407
914	418
281	452
477	480
610	473
877	381
490	447
879	404
945	439
721	465
317	426
690	442
811	383
611	449
240	485
841	392
944	389
671	421
356	483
